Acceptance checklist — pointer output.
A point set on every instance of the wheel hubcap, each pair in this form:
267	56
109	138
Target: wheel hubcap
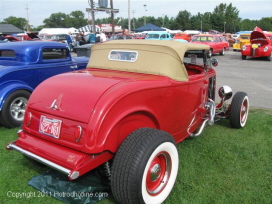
17	108
155	172
244	111
158	173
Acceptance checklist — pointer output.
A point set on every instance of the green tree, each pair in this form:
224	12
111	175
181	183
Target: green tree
266	24
182	21
247	24
62	20
76	19
36	29
232	19
56	20
18	22
166	22
206	21
225	17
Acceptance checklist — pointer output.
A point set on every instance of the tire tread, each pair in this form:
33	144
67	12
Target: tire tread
128	159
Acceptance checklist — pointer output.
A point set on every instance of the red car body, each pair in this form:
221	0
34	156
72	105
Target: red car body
139	36
136	98
11	38
27	36
216	43
183	36
260	45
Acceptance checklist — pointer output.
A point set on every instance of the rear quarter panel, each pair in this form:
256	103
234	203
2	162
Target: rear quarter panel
158	107
177	108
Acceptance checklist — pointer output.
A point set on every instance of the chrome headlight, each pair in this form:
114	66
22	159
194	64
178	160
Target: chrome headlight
225	92
244	47
265	49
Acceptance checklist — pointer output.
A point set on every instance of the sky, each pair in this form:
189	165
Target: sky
38	10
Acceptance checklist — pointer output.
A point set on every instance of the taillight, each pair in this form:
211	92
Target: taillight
78	133
28	118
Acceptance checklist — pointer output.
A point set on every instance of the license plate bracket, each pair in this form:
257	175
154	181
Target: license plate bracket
50	126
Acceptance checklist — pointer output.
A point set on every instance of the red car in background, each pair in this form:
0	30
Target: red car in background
260	45
27	36
10	38
183	36
139	36
216	42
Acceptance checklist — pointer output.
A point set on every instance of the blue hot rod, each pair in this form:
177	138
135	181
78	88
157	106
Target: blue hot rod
23	66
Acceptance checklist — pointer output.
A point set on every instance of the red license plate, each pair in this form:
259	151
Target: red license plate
50	126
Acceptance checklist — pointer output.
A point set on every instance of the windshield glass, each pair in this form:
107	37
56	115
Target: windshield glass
202	39
153	36
196	57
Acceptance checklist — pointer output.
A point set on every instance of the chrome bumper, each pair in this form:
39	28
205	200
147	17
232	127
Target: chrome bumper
71	174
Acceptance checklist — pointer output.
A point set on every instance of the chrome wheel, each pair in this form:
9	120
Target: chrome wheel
17	108
239	110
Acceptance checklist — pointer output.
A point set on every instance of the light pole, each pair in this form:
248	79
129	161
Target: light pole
201	23
129	22
145	15
224	27
133	19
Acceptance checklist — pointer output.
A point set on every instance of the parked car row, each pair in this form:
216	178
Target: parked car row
217	43
24	65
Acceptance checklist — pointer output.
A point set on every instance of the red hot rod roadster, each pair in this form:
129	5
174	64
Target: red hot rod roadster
126	112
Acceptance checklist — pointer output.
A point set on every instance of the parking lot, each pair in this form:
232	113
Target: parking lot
253	76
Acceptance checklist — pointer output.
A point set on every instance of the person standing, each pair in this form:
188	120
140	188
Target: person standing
103	37
79	39
126	34
69	40
92	37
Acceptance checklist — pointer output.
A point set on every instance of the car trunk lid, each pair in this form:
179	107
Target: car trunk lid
63	94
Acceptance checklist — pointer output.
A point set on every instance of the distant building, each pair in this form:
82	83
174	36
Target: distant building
9	29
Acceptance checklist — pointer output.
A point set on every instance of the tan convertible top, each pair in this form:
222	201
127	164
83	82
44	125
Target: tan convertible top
154	57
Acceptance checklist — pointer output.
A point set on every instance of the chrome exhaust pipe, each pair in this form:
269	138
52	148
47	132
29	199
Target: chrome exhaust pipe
211	105
200	129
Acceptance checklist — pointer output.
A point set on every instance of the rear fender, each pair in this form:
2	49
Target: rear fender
7	88
125	125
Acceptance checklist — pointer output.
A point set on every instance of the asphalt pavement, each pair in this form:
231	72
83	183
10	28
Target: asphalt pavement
253	76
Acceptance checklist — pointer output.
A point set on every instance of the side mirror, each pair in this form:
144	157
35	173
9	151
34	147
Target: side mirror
214	62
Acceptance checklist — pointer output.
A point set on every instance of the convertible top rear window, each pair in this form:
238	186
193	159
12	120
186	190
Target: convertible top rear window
123	55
